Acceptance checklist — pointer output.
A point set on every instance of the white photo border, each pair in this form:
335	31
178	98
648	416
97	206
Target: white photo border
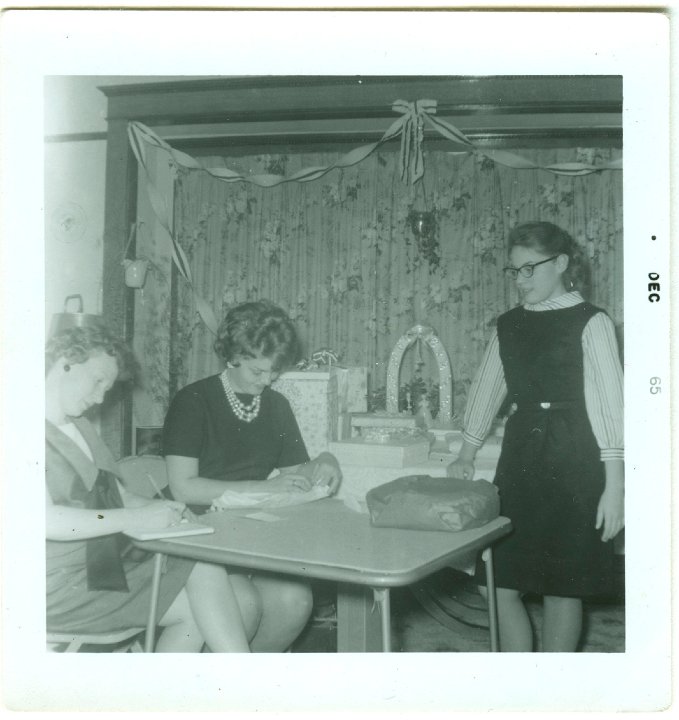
635	45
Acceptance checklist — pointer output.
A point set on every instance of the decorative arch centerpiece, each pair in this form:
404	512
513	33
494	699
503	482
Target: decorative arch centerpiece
427	335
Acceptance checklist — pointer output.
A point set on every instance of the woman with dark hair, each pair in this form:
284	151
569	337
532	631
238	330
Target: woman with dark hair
231	432
560	474
94	583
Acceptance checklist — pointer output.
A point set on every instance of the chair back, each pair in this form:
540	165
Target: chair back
144	475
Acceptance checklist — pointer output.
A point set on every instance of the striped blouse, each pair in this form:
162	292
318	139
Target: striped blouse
602	378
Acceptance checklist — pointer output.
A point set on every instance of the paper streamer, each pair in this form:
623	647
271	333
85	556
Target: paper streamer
409	127
162	213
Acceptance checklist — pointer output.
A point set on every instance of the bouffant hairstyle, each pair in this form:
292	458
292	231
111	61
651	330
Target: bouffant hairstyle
258	329
79	344
549	239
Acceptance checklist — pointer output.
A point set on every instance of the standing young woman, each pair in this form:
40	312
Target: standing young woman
560	474
94	584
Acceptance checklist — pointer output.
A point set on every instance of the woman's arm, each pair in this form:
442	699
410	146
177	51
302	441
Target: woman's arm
69	523
604	402
611	509
187	485
604	386
486	395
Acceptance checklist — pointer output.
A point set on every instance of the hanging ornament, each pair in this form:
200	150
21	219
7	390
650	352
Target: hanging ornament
422	222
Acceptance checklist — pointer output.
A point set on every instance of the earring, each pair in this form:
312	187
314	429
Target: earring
67	368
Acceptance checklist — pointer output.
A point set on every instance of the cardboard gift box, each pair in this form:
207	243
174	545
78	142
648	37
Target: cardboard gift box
362	422
313	396
352	388
321	399
401	452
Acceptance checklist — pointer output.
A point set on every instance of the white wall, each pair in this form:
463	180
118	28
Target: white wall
74	193
74	224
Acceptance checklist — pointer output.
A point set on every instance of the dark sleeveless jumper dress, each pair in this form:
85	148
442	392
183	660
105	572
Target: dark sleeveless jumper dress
550	476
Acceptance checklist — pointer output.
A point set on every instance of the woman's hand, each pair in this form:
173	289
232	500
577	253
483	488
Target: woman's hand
322	470
610	513
461	469
325	470
156	514
292	481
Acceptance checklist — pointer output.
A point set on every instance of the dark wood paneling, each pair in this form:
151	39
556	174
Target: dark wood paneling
118	306
321	97
309	143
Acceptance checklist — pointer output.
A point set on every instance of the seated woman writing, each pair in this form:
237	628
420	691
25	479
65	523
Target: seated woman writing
94	583
230	432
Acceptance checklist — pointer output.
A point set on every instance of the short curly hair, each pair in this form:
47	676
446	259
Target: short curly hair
258	329
79	344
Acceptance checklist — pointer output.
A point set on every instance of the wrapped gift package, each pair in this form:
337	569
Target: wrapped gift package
352	388
313	396
399	453
357	389
322	400
361	422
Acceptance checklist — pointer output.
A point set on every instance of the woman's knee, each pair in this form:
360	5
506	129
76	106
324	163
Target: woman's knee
297	600
293	600
559	603
178	612
249	602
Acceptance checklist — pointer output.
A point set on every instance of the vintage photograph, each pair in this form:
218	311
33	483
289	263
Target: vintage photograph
335	365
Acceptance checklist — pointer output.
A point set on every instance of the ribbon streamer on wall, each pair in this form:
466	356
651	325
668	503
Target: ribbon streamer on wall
409	126
163	215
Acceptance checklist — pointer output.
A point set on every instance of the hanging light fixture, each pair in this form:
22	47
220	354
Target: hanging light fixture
422	222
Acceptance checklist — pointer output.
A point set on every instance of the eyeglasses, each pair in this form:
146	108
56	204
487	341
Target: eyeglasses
527	269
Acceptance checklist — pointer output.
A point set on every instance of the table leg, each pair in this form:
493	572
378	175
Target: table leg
383	600
153	605
492	600
359	629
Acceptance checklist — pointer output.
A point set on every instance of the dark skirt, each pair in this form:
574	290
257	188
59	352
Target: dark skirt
550	478
71	607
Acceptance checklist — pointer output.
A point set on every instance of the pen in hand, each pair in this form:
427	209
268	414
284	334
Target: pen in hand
186	515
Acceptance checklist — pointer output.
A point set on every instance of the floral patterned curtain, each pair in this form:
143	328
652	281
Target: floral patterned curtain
338	254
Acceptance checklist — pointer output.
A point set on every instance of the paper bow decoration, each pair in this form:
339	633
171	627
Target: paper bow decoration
317	359
412	135
422	332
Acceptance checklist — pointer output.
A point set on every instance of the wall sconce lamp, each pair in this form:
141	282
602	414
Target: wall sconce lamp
136	269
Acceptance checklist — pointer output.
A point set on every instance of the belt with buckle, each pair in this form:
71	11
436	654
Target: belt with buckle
551	405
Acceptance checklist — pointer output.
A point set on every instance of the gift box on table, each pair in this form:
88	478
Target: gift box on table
363	423
352	392
352	385
313	396
397	452
322	399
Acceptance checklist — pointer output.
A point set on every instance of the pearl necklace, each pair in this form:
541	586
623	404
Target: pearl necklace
246	413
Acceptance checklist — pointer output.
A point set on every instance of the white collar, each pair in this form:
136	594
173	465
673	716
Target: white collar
568	299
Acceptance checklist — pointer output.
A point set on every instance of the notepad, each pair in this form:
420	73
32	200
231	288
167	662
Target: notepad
173	531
